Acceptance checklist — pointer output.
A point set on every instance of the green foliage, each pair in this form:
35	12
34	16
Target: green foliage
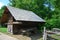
55	20
1	11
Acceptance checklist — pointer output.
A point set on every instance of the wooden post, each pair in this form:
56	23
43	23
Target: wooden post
44	34
10	25
10	28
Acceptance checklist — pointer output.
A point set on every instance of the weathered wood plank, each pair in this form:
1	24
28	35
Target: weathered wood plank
14	23
10	28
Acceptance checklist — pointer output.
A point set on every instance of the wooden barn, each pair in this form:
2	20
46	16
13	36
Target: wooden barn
20	21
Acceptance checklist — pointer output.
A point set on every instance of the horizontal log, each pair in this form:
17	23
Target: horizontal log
50	32
14	23
17	22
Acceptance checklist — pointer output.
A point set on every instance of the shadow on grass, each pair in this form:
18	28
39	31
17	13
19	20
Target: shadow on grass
37	36
50	38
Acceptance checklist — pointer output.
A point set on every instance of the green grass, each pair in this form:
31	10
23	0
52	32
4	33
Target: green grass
55	36
3	29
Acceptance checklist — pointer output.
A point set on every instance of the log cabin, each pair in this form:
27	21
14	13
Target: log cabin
20	20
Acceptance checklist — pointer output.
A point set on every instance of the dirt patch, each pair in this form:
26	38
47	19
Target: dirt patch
6	37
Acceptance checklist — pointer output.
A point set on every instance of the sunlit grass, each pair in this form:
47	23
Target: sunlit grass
55	36
3	29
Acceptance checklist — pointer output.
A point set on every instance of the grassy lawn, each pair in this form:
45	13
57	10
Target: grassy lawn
3	29
55	36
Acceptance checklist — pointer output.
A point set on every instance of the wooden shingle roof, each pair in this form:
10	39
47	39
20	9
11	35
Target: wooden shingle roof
24	15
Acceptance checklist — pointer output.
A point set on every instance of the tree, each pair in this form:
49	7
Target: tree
1	11
54	21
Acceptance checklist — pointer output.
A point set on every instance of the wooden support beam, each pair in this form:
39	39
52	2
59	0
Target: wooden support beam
10	28
45	34
17	22
14	23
